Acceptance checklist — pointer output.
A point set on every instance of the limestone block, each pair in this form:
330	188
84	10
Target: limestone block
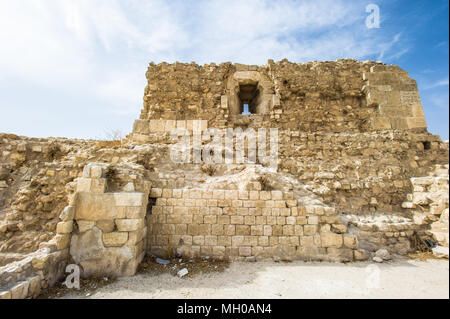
35	286
399	123
197	126
231	194
85	225
135	237
350	241
67	214
189	125
84	185
275	101
247	77
96	171
88	251
115	239
5	295
313	220
64	227
338	228
20	290
181	124
309	230
170	125
135	212
331	240
277	195
156	192
129	224
381	123
204	125
36	149
361	254
224	102
129	199
265	195
98	186
141	127
342	254
408	205
420	198
106	226
62	241
416	122
95	207
157	126
245	251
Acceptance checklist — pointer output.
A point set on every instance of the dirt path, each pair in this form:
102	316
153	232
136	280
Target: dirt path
403	278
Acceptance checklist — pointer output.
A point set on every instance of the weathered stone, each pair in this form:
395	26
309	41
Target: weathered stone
67	214
20	290
354	144
64	227
85	225
5	295
361	254
378	259
62	241
331	240
383	254
129	224
106	226
115	239
129	199
88	251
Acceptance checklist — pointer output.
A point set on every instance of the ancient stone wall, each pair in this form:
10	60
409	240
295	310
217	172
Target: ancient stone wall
109	237
355	174
232	224
340	96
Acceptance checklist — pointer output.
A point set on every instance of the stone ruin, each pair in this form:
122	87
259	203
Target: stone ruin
357	172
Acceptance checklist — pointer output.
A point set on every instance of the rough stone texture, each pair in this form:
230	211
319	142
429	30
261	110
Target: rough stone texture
347	95
429	202
25	278
357	172
88	251
106	242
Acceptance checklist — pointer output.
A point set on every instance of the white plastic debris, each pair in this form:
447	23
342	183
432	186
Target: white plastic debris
183	272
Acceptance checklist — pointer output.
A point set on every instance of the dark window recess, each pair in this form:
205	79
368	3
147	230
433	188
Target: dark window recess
249	95
427	145
151	203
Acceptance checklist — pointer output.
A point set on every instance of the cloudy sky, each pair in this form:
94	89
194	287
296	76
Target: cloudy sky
76	68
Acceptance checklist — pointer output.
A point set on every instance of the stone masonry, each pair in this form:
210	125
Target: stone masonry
357	172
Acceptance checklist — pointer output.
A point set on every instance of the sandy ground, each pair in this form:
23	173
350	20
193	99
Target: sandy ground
403	278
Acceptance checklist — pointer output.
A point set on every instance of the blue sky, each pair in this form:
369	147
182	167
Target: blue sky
76	68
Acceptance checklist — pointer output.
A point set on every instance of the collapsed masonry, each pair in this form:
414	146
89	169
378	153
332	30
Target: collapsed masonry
357	171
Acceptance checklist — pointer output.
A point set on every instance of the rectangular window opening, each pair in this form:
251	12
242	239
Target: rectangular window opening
246	110
249	98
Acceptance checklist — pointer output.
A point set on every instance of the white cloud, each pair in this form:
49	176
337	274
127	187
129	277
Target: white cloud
440	100
439	83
